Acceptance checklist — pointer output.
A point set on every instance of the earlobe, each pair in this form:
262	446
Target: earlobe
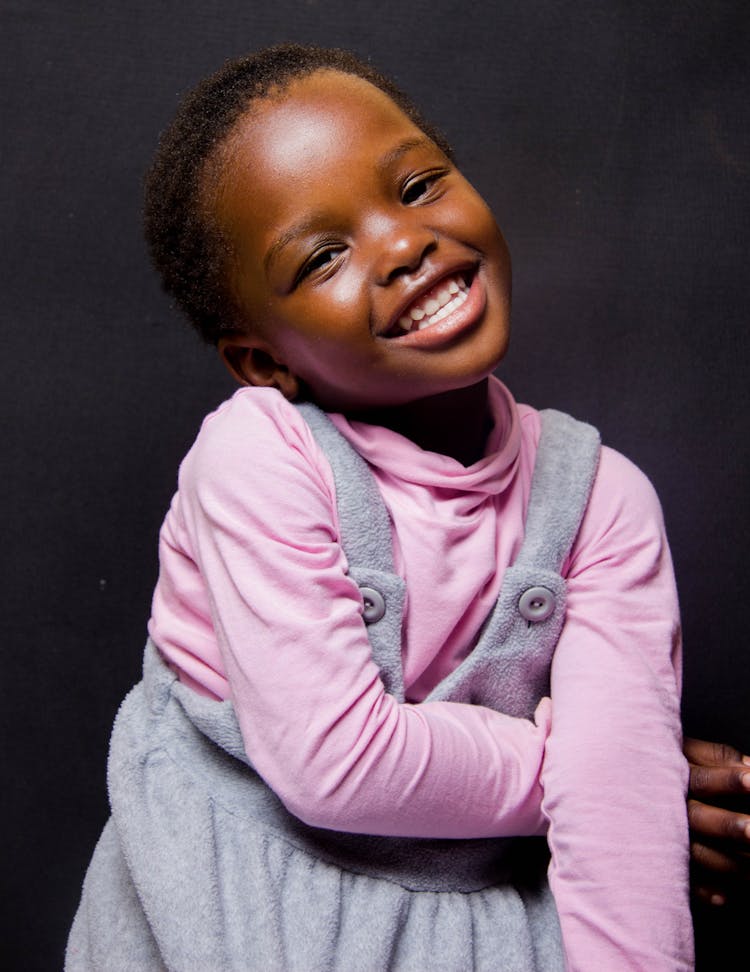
251	364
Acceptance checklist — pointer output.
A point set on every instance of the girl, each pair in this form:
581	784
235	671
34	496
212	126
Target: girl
343	754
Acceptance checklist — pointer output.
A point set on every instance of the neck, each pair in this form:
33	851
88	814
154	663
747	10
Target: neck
454	424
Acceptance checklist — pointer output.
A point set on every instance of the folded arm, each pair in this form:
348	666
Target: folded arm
614	775
259	517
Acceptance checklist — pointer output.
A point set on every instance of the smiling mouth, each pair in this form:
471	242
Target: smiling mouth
434	305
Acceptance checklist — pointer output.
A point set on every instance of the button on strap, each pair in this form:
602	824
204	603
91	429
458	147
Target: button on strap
374	604
536	604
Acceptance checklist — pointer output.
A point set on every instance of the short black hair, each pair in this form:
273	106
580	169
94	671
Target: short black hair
186	245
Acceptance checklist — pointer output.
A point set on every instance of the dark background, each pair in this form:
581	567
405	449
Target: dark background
612	140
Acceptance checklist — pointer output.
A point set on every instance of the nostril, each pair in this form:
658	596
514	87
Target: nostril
408	254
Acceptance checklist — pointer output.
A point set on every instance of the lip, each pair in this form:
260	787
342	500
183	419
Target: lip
451	326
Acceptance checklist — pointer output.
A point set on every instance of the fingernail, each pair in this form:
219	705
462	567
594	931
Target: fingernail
747	830
746	760
745	780
718	899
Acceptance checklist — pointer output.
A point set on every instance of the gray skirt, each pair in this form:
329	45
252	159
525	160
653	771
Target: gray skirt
201	869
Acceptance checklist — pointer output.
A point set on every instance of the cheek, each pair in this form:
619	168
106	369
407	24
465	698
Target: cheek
494	242
490	230
250	297
477	222
344	293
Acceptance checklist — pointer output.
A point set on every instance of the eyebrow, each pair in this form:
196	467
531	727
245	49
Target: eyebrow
302	226
393	155
313	220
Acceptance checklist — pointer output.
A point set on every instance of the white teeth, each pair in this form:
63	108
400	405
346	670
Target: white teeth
444	311
450	296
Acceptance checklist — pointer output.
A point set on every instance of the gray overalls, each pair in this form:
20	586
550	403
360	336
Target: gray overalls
200	868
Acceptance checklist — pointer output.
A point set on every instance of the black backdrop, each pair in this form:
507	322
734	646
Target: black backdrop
610	137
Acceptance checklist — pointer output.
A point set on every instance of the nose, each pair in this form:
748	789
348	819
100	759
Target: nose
402	247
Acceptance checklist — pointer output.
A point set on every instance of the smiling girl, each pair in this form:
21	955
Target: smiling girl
375	572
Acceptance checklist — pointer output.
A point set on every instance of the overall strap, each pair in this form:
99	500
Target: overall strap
508	668
564	473
368	545
365	524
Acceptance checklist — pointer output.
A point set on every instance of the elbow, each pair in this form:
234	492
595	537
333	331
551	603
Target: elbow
334	778
315	813
332	793
316	804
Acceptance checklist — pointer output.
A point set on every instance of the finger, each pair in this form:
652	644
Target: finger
706	781
709	894
710	753
717	823
709	859
543	713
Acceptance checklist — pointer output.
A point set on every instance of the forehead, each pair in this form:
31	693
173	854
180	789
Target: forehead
318	131
308	119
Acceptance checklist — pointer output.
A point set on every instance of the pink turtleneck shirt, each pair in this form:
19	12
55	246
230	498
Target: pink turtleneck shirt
253	603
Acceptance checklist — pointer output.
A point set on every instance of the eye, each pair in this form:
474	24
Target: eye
420	187
319	260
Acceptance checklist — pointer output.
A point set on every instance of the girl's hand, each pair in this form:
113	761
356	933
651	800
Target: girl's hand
719	817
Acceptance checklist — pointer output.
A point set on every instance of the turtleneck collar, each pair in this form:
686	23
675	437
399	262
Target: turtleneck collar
397	456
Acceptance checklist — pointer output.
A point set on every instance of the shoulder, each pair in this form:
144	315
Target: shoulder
619	481
255	444
619	484
250	423
623	511
623	524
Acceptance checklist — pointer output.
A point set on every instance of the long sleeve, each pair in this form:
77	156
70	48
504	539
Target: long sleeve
254	603
256	515
614	777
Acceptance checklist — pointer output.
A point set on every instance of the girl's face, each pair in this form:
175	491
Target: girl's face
370	272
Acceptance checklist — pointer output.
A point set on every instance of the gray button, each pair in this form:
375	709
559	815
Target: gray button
374	605
536	604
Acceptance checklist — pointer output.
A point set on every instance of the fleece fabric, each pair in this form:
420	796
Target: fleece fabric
202	867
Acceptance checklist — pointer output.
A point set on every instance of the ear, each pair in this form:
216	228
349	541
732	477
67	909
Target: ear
252	362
